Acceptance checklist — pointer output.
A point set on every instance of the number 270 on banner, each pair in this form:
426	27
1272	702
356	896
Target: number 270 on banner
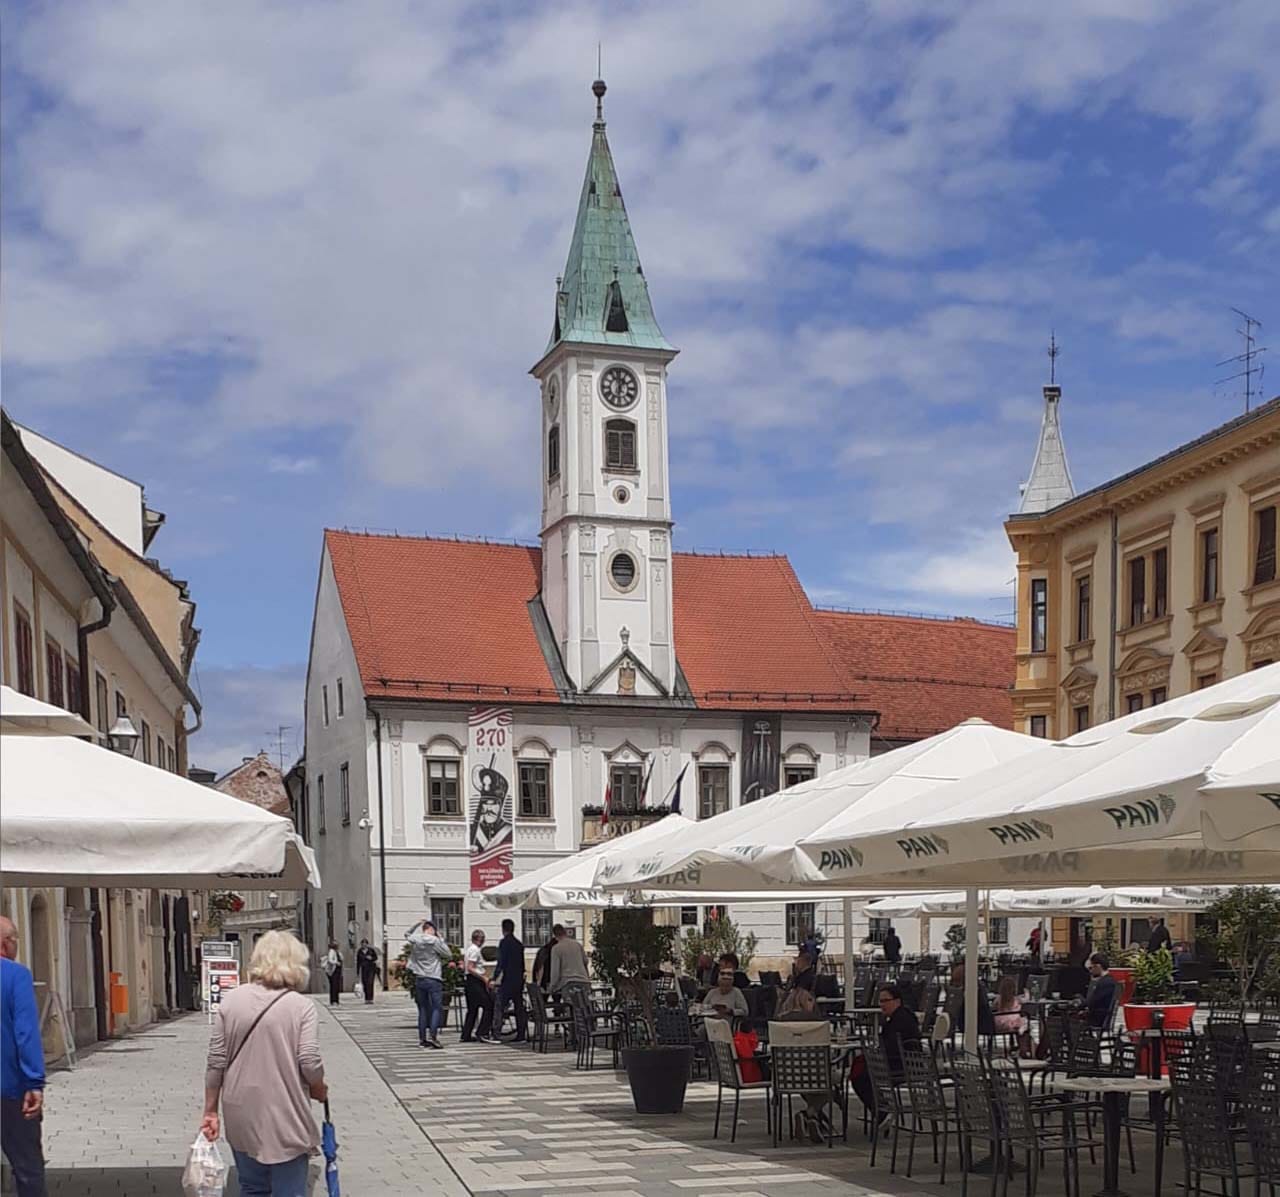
491	798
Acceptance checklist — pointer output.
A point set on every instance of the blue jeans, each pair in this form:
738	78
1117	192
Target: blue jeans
21	1139
430	995
271	1180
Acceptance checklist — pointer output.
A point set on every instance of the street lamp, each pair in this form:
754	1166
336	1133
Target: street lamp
123	736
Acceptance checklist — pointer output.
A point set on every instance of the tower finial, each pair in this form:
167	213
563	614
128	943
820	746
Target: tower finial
598	88
1053	358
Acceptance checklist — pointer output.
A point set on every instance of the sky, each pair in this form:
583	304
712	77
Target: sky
289	264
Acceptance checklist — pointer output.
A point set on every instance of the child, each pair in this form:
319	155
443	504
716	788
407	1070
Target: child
1009	1017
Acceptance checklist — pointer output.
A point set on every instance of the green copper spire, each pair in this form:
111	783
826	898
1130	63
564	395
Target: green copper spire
603	298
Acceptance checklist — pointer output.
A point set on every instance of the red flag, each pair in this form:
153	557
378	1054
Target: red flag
604	810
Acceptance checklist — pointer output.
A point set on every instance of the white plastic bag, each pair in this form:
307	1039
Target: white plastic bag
206	1172
359	990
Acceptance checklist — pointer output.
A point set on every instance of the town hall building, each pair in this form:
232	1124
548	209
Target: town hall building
628	668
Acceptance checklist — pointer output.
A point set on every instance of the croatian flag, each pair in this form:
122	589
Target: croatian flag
608	801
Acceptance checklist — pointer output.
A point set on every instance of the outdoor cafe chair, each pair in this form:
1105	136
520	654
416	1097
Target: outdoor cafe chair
801	1063
1261	1108
889	1106
543	1020
588	1031
975	1114
1210	1137
674	1028
727	1069
928	1104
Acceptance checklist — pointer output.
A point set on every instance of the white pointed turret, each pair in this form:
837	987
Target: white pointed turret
1050	482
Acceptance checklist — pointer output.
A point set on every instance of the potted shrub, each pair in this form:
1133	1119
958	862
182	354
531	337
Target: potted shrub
627	951
1154	992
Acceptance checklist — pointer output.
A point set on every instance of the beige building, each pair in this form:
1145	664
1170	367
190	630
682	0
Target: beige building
1158	582
91	624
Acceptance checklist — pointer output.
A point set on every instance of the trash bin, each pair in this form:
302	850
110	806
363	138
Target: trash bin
119	996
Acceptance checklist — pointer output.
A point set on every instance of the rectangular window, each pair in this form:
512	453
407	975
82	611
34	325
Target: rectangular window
997	929
24	652
1080	718
100	694
324	704
1133	703
320	812
172	757
535	927
1205	680
160	751
1208	565
878	928
351	915
624	788
535	789
443	797
328	923
75	699
344	795
1137	590
447	913
793	775
53	668
1264	555
713	790
122	707
553	452
1039	614
619	445
688	916
342	701
1039	726
800	921
146	742
1160	581
1158	695
1084	624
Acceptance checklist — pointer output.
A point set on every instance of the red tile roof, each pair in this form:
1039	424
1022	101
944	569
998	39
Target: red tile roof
449	620
924	675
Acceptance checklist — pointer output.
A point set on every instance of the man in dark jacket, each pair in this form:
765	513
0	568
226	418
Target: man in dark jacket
898	1025
509	977
892	947
367	967
1159	937
1100	1001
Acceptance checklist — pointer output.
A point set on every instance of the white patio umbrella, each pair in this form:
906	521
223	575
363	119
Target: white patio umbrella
1141	782
75	814
1093	899
754	846
21	715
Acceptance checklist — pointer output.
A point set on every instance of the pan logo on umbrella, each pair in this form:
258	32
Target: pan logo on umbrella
1274	799
1022	832
1144	813
836	859
915	846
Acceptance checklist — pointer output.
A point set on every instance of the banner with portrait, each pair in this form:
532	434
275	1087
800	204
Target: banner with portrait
491	796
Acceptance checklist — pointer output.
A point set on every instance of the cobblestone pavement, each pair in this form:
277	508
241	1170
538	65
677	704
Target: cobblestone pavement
122	1121
512	1121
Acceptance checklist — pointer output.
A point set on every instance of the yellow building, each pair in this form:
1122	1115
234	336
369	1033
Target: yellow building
87	622
1158	582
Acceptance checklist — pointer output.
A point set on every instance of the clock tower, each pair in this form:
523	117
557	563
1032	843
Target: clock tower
606	509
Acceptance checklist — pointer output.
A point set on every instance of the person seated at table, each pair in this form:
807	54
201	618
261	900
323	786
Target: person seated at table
898	1025
955	1004
1100	1001
800	1005
725	1000
1009	1017
706	970
730	960
803	973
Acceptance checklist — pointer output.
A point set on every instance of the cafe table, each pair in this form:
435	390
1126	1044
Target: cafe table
1113	1090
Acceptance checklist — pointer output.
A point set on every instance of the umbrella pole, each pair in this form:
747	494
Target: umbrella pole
847	911
971	970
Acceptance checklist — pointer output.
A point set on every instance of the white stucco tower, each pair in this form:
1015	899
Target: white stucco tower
606	506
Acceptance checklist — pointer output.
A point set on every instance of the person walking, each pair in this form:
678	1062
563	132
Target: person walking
21	1069
478	991
333	970
367	968
568	964
266	1091
509	977
892	947
427	954
1159	937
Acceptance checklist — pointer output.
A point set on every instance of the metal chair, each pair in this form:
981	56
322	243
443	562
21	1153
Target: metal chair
586	1029
672	1026
888	1104
1209	1138
1022	1127
543	1020
727	1069
975	1114
928	1103
801	1070
1261	1108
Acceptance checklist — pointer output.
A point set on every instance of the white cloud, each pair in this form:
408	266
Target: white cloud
244	709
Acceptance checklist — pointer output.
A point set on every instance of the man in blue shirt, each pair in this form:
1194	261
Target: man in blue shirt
509	977
21	1069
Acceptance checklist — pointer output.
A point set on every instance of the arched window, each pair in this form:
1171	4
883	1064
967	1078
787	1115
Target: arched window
619	445
553	452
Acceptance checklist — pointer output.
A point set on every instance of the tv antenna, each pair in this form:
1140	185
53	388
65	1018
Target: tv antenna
281	728
1250	366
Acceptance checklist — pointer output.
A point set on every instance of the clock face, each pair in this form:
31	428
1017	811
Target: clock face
618	387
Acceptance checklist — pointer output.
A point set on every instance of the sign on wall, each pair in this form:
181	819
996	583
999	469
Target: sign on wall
221	974
492	796
761	755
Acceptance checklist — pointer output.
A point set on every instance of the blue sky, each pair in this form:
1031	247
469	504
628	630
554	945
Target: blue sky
289	264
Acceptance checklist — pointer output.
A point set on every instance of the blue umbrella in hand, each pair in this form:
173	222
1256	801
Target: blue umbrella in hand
329	1145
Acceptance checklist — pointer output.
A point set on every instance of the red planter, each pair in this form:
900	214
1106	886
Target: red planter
1140	1018
1125	977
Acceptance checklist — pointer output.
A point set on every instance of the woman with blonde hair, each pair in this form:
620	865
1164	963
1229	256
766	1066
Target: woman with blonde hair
264	1063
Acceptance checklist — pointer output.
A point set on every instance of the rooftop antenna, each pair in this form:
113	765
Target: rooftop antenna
1247	359
280	730
1053	358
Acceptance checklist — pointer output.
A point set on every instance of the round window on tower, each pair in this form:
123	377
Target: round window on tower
622	571
621	494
